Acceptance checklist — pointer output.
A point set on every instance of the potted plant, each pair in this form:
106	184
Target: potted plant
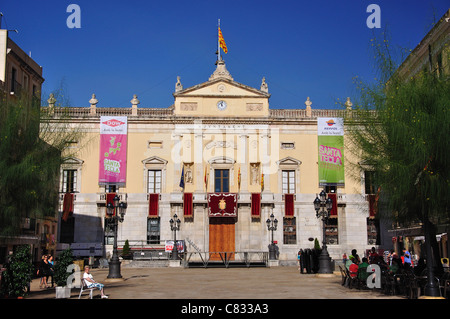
126	251
315	255
65	259
18	273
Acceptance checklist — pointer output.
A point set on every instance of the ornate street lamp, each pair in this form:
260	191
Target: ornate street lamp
116	212
323	207
271	226
174	226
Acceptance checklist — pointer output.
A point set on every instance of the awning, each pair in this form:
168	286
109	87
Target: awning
407	232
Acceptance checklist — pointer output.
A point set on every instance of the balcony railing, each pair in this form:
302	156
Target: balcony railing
88	112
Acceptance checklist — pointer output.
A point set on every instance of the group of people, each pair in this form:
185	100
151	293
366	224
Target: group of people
353	263
46	270
392	265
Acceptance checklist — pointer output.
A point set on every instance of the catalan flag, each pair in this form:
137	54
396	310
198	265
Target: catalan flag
206	179
222	42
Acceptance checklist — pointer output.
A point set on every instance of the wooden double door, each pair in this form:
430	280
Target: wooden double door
221	238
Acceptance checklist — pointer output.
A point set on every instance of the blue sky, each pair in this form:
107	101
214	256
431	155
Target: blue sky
303	48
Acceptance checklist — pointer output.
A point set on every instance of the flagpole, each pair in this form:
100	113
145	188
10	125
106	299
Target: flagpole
218	41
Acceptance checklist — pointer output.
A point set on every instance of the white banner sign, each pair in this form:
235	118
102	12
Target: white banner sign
330	126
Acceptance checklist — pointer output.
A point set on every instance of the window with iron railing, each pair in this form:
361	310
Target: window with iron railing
289	231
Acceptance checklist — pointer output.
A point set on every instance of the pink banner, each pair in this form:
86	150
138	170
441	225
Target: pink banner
113	150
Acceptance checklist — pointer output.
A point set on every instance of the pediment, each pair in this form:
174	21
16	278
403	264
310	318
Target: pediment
154	160
71	161
366	165
221	96
222	160
223	88
289	161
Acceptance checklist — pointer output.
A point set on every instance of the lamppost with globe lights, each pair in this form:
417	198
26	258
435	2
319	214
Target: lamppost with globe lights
174	226
272	226
116	213
323	206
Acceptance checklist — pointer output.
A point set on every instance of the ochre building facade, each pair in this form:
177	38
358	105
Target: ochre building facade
220	137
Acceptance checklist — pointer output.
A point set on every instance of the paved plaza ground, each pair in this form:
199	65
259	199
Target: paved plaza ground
220	292
281	282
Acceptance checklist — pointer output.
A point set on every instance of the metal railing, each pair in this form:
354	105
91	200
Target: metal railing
227	259
146	113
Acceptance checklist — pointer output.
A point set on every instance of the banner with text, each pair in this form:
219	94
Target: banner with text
331	151
113	150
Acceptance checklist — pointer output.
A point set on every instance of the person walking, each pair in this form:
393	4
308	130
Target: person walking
51	268
406	259
43	272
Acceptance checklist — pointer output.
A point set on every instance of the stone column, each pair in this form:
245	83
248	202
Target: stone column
177	161
198	160
242	160
264	148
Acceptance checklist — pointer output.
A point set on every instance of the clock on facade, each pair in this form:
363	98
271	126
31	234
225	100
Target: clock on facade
221	105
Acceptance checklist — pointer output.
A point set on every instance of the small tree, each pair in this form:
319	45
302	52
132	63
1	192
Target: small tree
126	249
18	273
316	244
65	259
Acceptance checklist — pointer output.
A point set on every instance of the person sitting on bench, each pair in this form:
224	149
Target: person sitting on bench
91	283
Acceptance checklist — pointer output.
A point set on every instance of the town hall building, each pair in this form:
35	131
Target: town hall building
220	159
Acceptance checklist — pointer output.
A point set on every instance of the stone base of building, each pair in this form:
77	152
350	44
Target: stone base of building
325	275
273	263
174	263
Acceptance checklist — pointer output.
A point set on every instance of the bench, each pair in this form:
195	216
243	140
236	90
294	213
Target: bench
84	287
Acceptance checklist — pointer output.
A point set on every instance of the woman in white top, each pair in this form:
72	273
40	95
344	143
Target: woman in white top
90	282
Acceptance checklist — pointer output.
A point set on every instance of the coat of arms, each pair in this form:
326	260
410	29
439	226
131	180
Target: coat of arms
222	204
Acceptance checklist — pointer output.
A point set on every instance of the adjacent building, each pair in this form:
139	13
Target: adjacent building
21	75
432	55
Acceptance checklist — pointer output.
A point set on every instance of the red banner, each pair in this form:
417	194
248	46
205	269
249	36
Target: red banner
333	197
372	205
222	205
289	205
67	206
110	199
188	204
153	203
256	205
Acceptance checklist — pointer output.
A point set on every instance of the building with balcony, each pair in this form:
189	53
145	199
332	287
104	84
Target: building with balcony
431	55
19	73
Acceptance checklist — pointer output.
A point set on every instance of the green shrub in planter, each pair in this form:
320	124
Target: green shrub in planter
18	273
316	244
126	251
65	259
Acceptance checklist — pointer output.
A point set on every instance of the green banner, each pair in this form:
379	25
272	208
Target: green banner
331	152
